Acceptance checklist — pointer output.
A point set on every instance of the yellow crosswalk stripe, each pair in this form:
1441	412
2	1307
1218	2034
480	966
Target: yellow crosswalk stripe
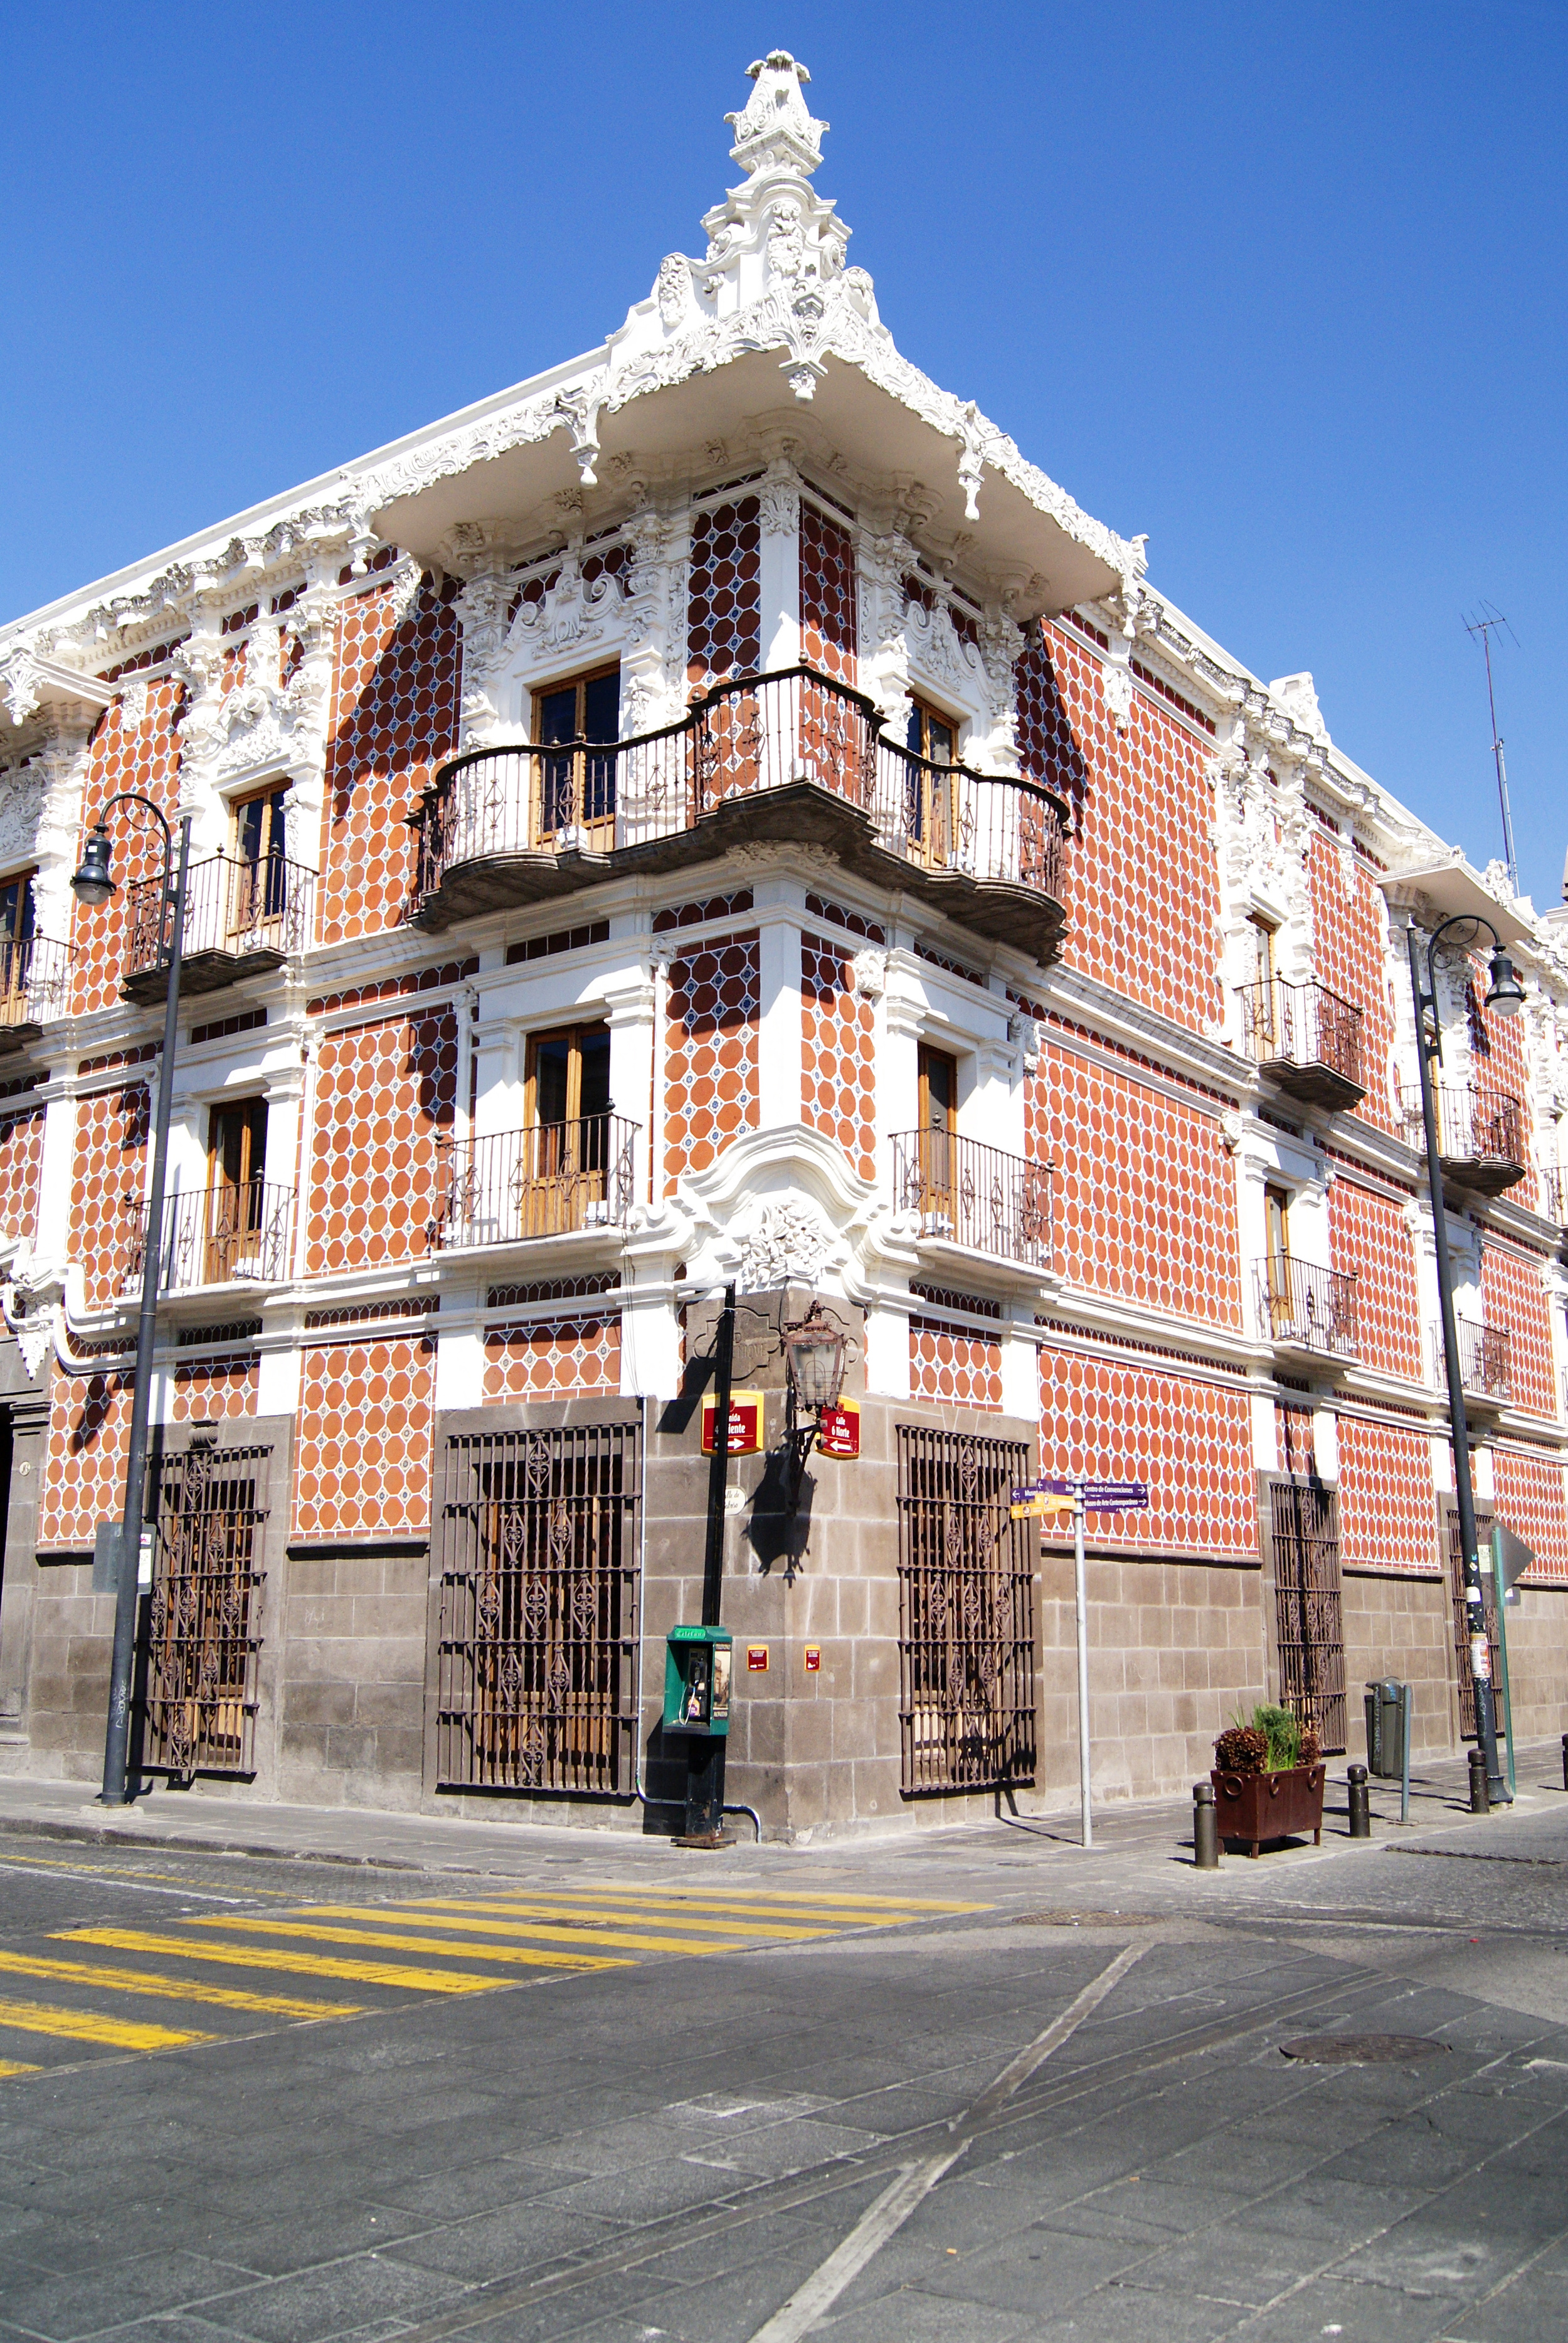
16	2067
167	1989
308	1927
433	1913
90	2025
843	1911
258	1956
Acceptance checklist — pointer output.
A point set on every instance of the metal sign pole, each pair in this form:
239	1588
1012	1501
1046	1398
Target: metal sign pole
1500	1597
1080	1602
1406	1704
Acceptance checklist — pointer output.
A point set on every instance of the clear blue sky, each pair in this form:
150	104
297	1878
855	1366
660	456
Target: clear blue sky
1281	287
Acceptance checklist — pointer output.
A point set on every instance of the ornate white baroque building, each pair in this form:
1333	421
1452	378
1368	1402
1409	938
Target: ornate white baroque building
717	812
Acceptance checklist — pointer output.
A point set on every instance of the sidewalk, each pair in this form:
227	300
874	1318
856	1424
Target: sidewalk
196	1823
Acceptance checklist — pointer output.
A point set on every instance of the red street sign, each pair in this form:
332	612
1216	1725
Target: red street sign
745	1423
757	1659
839	1430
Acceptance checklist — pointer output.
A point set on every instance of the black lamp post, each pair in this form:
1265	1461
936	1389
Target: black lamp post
93	884
1506	995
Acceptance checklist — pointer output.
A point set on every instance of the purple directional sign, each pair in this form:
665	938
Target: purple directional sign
1098	1496
1115	1496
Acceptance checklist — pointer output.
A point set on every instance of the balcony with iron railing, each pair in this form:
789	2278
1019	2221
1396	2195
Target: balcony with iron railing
35	987
1303	1306
794	757
1306	1037
211	1236
242	918
557	1179
1481	1136
1485	1365
977	1198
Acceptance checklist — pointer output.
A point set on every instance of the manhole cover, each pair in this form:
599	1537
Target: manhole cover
1085	1919
1361	2049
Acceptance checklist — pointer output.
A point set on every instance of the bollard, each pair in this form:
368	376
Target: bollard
1566	1761
1479	1803
1205	1828
1361	1801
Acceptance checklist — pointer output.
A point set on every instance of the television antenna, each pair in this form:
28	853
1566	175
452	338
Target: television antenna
1483	624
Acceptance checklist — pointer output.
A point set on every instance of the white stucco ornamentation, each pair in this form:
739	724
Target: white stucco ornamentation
773	279
787	1242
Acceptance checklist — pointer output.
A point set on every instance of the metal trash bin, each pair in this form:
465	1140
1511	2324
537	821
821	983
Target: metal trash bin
1386	1703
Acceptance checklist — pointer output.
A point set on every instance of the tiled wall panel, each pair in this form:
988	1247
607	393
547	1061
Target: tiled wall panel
827	596
21	1159
1144	1191
723	621
1124	1415
710	1052
949	1363
383	1093
554	1359
1530	1499
395	716
362	1458
135	747
108	1181
1348	924
84	1474
1516	1299
837	1052
1368	1236
1142	883
1388	1505
207	1390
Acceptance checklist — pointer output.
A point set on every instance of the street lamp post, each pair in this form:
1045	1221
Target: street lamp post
93	884
1506	996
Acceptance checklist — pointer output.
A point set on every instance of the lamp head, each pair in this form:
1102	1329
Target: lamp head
815	1353
1505	994
94	882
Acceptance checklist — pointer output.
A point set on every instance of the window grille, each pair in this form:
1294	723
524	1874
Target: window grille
538	1619
1464	1674
205	1615
966	1594
1309	1617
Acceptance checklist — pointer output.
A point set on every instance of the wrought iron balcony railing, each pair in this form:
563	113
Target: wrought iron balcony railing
745	739
213	1236
1307	1307
550	1180
977	1197
1483	1360
1307	1037
34	984
236	912
1481	1135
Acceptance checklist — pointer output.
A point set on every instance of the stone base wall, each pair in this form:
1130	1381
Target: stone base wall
1538	1663
1174	1649
351	1678
1400	1626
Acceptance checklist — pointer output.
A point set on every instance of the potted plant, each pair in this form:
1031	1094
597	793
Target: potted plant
1268	1779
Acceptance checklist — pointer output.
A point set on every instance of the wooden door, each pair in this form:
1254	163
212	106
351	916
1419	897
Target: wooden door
236	1155
565	1155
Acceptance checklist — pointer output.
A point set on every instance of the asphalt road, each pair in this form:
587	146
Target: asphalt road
987	2088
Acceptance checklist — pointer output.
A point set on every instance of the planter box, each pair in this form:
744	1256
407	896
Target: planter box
1258	1807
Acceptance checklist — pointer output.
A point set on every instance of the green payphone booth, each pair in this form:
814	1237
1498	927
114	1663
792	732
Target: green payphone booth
697	1677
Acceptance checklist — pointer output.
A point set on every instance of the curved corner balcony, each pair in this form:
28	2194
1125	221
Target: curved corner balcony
793	757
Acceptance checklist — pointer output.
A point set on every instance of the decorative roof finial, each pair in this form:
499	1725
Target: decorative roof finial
775	130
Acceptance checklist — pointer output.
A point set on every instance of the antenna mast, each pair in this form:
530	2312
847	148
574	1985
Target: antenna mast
1482	626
